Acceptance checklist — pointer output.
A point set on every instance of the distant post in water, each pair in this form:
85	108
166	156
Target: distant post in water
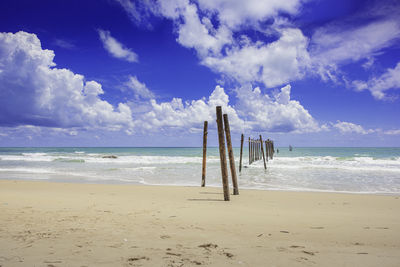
262	151
249	152
222	153
203	174
230	154
273	149
266	150
241	152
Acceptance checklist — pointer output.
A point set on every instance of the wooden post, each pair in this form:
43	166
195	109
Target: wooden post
203	173
249	152
273	149
230	154
241	152
266	150
255	150
252	150
222	153
262	151
269	149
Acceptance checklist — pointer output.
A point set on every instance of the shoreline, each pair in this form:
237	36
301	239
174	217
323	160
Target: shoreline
116	182
69	224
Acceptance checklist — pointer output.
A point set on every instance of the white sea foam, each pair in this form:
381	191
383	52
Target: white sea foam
340	172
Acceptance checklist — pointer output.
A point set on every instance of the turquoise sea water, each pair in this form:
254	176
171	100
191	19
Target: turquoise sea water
334	169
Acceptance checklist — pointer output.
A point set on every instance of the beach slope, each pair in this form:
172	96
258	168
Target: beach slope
66	224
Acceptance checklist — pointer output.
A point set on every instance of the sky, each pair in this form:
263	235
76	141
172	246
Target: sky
149	73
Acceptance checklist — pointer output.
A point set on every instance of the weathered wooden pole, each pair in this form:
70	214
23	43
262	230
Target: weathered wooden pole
262	151
241	152
266	150
273	149
270	149
222	153
258	152
203	173
255	150
249	152
230	154
252	150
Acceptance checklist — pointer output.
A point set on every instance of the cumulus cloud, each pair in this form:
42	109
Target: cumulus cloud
274	114
233	13
139	89
390	79
187	115
225	49
115	48
273	64
34	92
348	127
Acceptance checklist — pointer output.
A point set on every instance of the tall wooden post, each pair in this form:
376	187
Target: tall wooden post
230	154
203	173
262	151
258	150
255	150
252	150
273	149
241	152
222	153
266	150
269	149
249	152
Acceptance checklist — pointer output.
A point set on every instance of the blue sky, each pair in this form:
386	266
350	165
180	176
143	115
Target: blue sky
148	73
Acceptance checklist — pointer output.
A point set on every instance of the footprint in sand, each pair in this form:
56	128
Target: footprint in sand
136	259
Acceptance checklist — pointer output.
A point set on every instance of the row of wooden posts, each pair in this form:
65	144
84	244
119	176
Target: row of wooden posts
256	151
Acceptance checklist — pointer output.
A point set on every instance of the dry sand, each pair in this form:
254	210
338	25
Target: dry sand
65	224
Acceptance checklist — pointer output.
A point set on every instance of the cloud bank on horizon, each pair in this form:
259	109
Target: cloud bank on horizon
255	46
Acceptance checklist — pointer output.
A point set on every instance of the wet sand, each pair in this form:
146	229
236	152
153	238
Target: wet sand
66	224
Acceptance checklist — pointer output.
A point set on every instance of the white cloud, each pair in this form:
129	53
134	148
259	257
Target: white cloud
64	44
273	64
234	13
393	132
348	127
239	58
340	45
115	48
274	114
139	89
188	115
139	11
378	85
201	35
34	92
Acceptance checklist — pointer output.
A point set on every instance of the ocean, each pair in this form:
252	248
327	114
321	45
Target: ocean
333	169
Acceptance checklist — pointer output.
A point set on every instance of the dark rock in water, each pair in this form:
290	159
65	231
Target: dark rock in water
109	157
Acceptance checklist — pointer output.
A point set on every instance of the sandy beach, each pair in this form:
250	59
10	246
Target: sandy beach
67	224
